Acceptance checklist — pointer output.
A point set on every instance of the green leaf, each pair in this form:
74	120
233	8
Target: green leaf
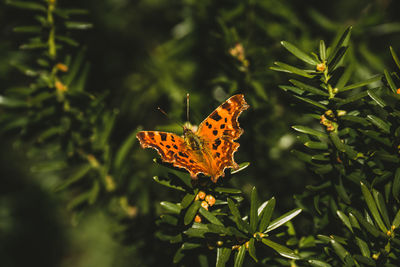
125	148
396	185
344	219
223	255
352	98
67	40
191	212
376	136
242	166
376	98
361	84
292	89
322	50
385	127
253	210
307	130
395	57
316	145
355	119
290	69
77	25
227	190
282	250
364	260
396	220
390	81
28	29
252	249
380	203
283	219
339	249
210	217
318	263
302	156
26	5
311	102
189	246
239	257
78	174
308	88
338	57
197	230
179	255
168	219
372	207
266	215
298	53
345	77
11	103
187	200
342	42
242	225
168	183
363	247
78	200
337	142
171	207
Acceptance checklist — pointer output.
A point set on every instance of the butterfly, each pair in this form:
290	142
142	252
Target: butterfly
210	149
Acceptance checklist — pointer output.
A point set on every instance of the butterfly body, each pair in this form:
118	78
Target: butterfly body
210	149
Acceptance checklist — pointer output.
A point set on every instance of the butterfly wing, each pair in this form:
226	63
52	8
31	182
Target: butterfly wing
219	130
172	149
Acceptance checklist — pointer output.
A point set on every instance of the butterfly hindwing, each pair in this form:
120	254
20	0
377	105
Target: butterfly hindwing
172	149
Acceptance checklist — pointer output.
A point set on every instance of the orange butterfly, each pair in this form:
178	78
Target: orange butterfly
210	149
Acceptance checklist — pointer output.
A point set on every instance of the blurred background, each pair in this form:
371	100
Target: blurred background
140	55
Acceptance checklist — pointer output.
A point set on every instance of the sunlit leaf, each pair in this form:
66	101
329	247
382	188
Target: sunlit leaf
298	53
282	250
283	219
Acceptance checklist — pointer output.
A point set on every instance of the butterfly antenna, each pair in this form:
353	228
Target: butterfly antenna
187	106
168	117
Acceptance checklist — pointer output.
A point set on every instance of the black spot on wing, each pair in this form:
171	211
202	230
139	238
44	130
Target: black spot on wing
168	146
182	154
151	135
163	136
226	106
209	126
216	143
215	132
222	126
175	146
215	116
226	120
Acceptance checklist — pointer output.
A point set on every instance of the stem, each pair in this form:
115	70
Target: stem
50	20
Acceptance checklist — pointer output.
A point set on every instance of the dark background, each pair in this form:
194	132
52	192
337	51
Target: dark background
150	53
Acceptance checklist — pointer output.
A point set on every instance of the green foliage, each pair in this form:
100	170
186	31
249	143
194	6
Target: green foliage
73	112
354	145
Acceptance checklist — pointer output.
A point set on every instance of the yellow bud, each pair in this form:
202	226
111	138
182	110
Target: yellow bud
197	219
204	205
321	67
201	195
210	200
62	67
60	86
